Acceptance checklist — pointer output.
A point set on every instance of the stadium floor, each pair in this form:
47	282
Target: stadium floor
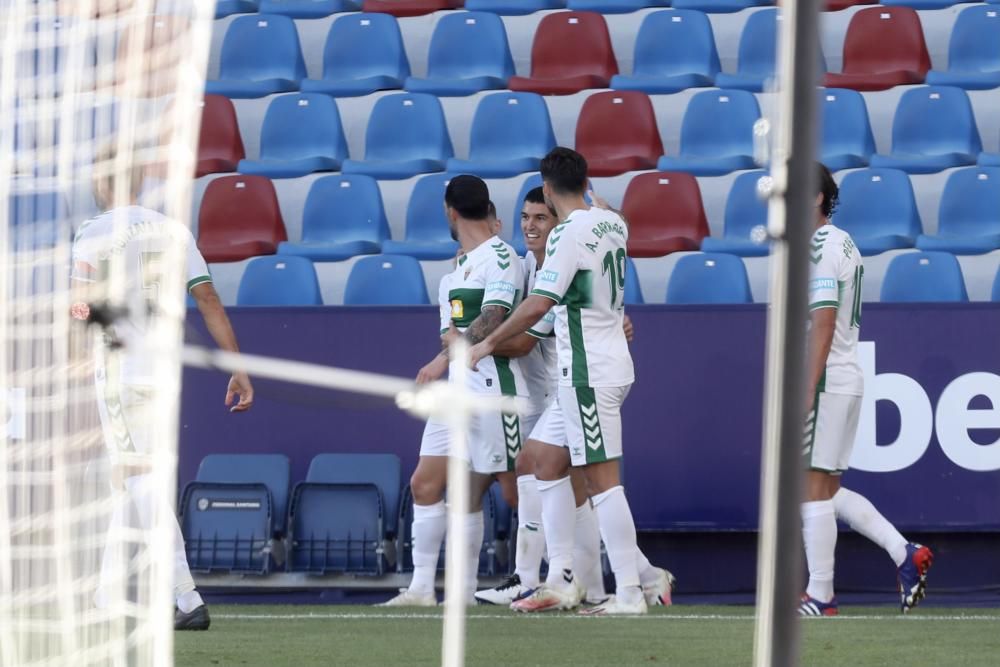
686	635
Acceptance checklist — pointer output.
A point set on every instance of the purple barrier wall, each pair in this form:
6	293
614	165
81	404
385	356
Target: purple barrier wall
927	454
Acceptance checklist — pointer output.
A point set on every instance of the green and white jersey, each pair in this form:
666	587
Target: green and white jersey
584	273
540	366
143	240
489	275
836	272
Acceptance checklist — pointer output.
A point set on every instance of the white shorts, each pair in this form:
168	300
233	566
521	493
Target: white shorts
587	420
494	441
126	410
830	431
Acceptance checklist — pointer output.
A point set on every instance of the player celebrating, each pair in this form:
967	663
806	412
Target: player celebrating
475	297
141	239
836	385
584	275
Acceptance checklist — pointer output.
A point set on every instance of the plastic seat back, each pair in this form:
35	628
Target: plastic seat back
261	46
746	212
935	120
386	280
425	218
227	528
877	202
677	42
617	132
407	126
705	278
302	125
360	46
719	123
239	218
975	40
569	44
885	39
220	146
279	280
345	207
383	470
469	44
847	139
509	126
924	276
970	203
271	470
665	214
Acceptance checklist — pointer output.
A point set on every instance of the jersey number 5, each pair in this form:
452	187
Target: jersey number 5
614	268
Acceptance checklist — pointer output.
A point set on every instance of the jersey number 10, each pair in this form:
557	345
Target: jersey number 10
614	268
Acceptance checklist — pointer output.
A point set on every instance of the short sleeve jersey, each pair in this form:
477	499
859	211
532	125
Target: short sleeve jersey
836	273
141	238
584	273
489	275
540	366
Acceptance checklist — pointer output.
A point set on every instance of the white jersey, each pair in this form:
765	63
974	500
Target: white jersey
835	282
540	366
142	239
489	275
584	273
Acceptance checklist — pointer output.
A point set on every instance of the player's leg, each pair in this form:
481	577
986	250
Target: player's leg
479	484
587	542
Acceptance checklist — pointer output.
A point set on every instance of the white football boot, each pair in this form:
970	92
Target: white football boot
660	592
408	598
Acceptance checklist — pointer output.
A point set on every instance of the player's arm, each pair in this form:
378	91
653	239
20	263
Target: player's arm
530	311
628	328
823	323
601	202
221	330
516	346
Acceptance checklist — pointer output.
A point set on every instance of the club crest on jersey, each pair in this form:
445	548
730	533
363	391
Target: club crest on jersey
457	309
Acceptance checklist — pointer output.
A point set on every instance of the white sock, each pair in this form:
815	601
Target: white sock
819	532
188	602
587	552
474	528
861	515
648	574
618	531
429	525
530	535
558	508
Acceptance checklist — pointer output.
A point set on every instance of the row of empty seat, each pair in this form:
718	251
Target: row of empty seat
674	50
349	515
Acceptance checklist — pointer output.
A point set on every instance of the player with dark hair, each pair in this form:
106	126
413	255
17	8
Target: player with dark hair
475	298
836	385
583	277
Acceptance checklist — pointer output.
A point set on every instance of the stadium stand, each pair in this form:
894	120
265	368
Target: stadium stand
617	132
363	53
343	217
973	51
665	214
428	235
308	9
708	278
511	133
673	51
224	8
406	135
556	70
402	8
468	53
719	6
933	129
260	56
36	218
969	215
271	470
614	6
745	220
513	7
279	281
239	218
878	209
883	47
220	147
847	141
924	276
716	134
301	134
386	280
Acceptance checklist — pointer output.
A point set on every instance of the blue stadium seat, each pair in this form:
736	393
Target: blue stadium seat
973	52
511	133
745	218
988	159
921	5
308	9
757	53
428	235
301	134
513	7
260	56
279	281
343	217
716	134
227	528
933	129
968	214
709	278
271	470
468	53
847	140
386	280
673	51
877	208
614	6
633	292
924	276
224	8
38	219
363	53
339	514
407	135
995	294
719	6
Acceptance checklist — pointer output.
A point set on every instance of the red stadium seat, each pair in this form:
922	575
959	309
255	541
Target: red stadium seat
239	218
220	147
837	5
884	47
664	213
571	52
617	132
410	7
